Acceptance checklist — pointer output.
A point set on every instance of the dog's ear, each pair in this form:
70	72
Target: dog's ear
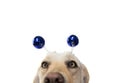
36	79
85	75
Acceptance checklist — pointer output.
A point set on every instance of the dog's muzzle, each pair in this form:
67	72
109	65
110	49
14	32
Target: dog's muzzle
54	77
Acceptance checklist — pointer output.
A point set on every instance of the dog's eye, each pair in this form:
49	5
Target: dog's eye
44	64
71	64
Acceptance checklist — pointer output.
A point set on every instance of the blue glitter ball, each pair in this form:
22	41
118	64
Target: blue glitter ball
72	40
38	42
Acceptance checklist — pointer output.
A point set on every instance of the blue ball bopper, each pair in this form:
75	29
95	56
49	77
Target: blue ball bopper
72	40
38	42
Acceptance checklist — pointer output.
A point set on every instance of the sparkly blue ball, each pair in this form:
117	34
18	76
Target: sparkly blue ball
38	42
72	40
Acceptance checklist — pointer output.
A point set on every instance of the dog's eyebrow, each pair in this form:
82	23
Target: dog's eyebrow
45	61
70	61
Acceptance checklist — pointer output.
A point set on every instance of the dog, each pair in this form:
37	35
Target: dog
61	68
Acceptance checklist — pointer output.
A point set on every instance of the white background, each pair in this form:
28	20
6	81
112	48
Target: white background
95	22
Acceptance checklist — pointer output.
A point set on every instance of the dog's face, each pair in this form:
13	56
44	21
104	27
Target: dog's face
61	68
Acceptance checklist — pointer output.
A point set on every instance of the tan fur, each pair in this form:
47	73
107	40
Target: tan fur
75	75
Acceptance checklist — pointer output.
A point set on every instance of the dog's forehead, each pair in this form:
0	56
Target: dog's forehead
54	56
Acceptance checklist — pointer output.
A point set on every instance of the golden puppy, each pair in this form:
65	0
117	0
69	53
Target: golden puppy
61	68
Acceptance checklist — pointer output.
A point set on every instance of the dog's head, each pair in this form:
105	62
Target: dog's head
61	68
